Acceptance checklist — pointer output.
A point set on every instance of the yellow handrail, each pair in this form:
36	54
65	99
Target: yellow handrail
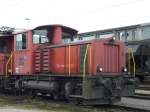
9	59
84	63
129	62
134	64
131	55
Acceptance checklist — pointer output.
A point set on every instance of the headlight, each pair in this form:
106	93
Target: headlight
100	69
113	38
124	69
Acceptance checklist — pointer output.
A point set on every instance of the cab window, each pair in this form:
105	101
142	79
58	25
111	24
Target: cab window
40	36
3	46
66	37
21	41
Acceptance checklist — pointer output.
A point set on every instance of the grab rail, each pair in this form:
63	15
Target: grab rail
131	55
90	51
84	63
9	60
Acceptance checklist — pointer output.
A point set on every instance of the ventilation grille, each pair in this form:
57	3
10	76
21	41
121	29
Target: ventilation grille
111	58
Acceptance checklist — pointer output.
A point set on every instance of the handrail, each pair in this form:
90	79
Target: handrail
131	55
9	59
129	62
84	63
134	64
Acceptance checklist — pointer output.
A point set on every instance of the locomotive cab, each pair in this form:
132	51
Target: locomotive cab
53	34
29	43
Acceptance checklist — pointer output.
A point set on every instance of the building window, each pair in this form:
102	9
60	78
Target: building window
40	37
21	41
87	37
122	35
106	35
146	32
129	35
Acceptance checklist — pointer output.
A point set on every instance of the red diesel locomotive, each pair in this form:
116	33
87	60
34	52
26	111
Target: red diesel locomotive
43	61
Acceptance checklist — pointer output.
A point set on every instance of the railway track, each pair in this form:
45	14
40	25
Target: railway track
142	94
143	90
142	105
140	102
141	99
70	107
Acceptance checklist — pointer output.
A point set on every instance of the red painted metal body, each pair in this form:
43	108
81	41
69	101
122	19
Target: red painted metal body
110	56
60	59
57	35
68	59
44	60
23	59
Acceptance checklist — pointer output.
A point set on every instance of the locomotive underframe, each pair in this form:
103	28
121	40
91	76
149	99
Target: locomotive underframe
92	90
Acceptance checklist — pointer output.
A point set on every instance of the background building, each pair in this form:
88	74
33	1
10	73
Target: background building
126	34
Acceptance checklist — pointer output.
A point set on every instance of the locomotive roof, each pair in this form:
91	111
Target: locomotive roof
65	28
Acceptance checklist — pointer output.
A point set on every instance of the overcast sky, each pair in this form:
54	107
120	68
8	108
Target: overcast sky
84	15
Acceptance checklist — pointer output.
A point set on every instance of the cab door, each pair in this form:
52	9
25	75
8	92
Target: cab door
23	53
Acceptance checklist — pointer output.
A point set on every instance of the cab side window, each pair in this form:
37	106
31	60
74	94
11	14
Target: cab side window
3	46
21	41
40	36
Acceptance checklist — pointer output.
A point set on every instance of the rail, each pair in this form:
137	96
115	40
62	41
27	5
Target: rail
7	63
84	63
131	56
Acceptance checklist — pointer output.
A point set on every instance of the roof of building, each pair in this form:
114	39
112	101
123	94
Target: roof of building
117	28
6	31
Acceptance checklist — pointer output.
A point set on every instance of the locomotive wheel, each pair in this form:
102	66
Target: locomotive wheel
68	89
55	96
33	94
